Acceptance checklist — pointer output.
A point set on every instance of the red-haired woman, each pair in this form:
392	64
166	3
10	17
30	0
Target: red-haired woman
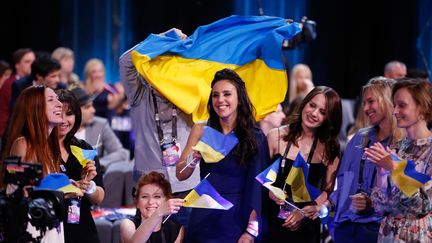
153	198
33	137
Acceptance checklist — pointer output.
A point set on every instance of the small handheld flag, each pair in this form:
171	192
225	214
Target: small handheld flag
302	191
83	155
406	178
268	177
214	145
205	196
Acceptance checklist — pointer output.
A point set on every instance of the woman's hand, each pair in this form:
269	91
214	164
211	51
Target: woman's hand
312	211
89	171
360	201
78	184
380	156
177	31
171	206
276	199
293	221
246	238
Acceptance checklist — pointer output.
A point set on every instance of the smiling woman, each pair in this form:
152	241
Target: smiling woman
33	122
88	178
312	131
154	201
27	135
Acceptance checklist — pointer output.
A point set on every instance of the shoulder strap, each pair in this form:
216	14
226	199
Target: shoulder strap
312	150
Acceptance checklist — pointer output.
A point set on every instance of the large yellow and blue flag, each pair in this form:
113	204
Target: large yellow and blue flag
268	177
406	178
83	155
214	145
301	190
182	70
204	195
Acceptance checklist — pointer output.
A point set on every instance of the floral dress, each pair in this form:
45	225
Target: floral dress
408	219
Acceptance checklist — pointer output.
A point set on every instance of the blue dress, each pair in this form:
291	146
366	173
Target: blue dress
237	184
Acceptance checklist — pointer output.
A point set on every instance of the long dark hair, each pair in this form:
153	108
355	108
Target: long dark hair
245	123
68	99
328	132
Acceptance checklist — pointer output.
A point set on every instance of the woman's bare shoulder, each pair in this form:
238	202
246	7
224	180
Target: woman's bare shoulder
19	147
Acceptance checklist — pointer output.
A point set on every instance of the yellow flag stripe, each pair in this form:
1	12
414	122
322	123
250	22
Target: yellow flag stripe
406	184
208	153
186	82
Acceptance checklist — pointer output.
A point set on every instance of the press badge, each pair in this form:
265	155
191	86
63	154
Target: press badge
170	153
74	211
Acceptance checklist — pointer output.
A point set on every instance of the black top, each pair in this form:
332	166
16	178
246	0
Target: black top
315	178
168	233
85	231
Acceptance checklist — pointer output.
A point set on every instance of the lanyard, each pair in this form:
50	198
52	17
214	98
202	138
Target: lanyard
158	122
360	176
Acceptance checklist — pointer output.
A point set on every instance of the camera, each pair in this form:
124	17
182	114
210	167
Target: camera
307	34
20	205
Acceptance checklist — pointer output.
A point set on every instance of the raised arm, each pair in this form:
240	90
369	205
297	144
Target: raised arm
194	137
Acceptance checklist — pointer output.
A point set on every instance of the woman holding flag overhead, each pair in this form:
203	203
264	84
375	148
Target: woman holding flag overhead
79	226
404	188
311	137
232	114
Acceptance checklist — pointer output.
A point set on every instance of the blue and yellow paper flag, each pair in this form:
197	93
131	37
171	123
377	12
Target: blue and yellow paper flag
205	196
182	70
83	155
301	190
406	178
268	177
214	145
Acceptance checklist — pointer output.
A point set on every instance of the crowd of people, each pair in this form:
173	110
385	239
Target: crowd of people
46	109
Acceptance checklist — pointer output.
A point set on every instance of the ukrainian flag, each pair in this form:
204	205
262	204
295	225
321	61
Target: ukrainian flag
301	190
182	70
268	177
83	155
205	196
214	145
406	178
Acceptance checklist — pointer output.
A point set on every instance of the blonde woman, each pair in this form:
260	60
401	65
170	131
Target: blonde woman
300	81
106	96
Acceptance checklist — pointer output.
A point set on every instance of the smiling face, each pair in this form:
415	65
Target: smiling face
149	199
225	100
314	112
372	108
53	107
68	121
406	110
97	73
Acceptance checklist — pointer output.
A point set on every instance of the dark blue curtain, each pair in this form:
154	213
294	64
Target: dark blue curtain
424	39
97	29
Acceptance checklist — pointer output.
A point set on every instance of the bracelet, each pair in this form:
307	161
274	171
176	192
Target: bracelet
91	189
252	228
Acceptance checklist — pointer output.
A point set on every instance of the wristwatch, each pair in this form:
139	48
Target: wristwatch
91	189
